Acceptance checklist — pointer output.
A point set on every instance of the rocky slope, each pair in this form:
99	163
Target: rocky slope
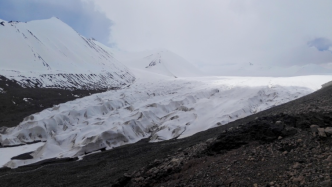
286	146
260	154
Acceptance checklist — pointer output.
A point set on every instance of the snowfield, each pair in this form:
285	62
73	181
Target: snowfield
7	153
262	70
155	107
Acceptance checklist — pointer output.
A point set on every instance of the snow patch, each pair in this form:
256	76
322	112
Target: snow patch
27	99
9	152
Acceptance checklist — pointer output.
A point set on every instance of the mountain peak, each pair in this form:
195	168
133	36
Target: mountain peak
55	19
42	48
164	62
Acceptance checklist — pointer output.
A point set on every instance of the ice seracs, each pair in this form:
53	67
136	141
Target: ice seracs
49	53
159	109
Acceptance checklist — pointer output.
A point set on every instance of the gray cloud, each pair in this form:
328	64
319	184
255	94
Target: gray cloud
214	32
208	33
83	16
321	44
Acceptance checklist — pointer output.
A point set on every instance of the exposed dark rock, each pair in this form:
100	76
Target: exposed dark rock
13	107
24	156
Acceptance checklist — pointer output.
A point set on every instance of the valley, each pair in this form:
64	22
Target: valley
75	112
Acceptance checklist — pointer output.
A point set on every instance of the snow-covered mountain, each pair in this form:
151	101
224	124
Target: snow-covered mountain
163	62
159	108
49	53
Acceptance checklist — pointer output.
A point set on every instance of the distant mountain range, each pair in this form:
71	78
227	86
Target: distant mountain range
265	70
162	62
50	54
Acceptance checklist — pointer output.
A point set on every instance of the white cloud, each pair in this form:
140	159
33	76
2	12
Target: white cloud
215	32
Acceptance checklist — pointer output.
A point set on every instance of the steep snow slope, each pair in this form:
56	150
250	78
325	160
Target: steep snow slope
48	53
161	109
163	62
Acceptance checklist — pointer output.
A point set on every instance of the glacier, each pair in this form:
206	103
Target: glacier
156	107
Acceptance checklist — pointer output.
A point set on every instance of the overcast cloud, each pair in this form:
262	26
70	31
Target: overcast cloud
215	32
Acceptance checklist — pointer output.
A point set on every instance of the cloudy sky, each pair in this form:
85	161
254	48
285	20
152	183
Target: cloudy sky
209	33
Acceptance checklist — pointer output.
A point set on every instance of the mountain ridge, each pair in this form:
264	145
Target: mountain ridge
161	61
52	54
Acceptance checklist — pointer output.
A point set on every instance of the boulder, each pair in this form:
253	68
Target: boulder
297	165
328	130
326	183
321	132
314	128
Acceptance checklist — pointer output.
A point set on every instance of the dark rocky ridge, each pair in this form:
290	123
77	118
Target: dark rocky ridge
272	148
77	81
13	109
